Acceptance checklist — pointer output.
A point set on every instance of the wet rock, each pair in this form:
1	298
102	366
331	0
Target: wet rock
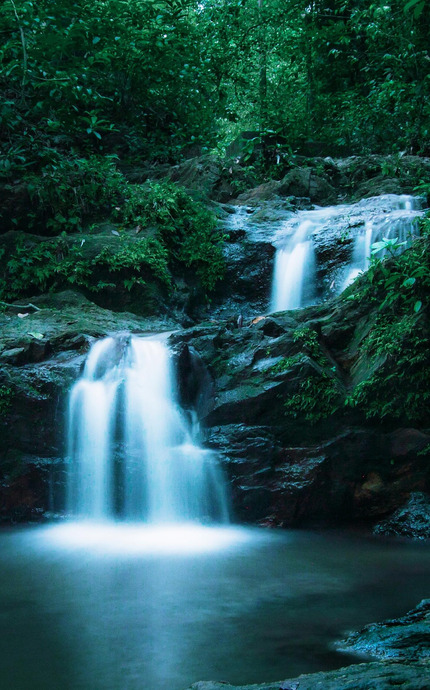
35	377
15	355
193	380
271	327
400	639
411	520
402	646
372	676
246	285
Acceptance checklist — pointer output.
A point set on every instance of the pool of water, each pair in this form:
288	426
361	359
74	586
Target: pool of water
85	607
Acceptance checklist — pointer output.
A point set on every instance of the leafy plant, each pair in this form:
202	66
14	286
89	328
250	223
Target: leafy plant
318	395
71	191
6	394
398	340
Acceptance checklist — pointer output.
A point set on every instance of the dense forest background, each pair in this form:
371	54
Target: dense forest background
153	78
91	90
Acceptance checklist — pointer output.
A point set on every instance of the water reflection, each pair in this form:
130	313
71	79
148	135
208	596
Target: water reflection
240	605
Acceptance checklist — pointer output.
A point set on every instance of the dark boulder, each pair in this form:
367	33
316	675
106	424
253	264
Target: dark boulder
411	520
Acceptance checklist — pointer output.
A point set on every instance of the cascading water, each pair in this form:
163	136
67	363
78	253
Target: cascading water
294	263
131	448
302	239
400	224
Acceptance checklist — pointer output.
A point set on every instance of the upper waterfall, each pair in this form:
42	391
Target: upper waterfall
300	241
131	449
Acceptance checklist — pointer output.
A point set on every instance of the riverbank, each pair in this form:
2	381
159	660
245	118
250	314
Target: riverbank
402	647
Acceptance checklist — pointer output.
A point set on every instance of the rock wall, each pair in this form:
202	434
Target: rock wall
285	469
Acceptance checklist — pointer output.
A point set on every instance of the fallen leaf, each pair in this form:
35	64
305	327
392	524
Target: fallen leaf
115	232
38	336
22	316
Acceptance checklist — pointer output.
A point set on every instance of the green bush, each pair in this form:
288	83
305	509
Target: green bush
60	262
185	227
172	233
70	192
398	286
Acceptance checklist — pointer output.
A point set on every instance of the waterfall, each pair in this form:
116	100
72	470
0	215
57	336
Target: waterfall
131	449
312	247
360	256
294	264
400	223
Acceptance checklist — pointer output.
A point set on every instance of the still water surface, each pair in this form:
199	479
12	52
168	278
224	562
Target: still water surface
135	608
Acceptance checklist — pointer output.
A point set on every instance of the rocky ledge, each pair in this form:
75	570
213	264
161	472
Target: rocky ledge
402	647
295	451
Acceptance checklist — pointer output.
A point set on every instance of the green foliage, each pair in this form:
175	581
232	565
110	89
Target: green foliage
398	341
400	283
318	395
174	233
6	394
102	76
57	263
185	227
70	192
399	389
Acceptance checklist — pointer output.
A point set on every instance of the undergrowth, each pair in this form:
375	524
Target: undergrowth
396	349
161	231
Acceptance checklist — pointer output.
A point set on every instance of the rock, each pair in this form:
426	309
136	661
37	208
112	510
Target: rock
209	177
299	182
193	380
411	520
379	185
401	639
402	645
303	182
199	175
264	192
246	285
335	470
372	676
35	377
14	355
405	441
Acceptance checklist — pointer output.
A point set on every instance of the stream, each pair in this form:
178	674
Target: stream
151	586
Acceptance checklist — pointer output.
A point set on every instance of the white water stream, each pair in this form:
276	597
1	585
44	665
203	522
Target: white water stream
131	449
296	267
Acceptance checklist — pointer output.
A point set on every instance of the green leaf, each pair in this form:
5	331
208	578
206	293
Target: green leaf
38	336
408	282
417	306
96	39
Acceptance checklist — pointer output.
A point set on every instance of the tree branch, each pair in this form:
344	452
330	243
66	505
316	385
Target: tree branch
24	46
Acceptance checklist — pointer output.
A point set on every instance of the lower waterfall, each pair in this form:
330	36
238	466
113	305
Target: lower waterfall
131	451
